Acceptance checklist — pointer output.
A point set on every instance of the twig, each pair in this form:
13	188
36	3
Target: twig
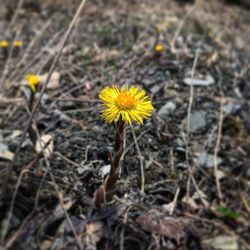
85	155
37	104
174	201
67	159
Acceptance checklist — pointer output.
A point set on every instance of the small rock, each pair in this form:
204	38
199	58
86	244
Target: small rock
155	88
207	160
230	108
151	72
197	121
199	82
181	166
105	170
179	142
148	82
167	109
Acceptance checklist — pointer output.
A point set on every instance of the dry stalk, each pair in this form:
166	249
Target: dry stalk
216	150
141	162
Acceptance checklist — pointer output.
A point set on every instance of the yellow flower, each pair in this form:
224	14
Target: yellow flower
130	104
33	81
17	44
158	48
4	44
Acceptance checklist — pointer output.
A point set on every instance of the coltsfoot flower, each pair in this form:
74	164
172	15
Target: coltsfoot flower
158	48
130	104
17	44
4	44
33	81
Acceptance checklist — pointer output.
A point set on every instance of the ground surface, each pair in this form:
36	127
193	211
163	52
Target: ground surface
194	150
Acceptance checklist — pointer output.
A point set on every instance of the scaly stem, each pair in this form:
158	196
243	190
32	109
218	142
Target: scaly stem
105	191
31	132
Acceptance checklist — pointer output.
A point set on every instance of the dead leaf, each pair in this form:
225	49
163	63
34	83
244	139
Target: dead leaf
93	234
42	142
6	101
105	55
156	221
6	154
222	242
53	82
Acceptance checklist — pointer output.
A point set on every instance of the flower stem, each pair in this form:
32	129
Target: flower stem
31	132
105	192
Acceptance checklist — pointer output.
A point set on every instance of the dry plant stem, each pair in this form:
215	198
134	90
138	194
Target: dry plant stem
219	135
191	97
105	192
14	18
7	54
180	26
216	150
37	104
141	162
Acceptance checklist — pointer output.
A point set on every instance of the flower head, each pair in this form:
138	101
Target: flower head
4	44
33	81
158	48
130	104
17	44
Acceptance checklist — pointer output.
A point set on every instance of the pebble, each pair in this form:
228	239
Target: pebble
230	108
206	160
197	121
148	82
167	109
199	82
105	170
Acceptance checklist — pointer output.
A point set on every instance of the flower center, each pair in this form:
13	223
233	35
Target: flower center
125	101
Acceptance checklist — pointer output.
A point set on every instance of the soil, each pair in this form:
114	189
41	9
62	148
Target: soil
194	150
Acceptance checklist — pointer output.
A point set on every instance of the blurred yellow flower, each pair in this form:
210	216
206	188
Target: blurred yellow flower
17	44
158	48
4	44
130	104
33	81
